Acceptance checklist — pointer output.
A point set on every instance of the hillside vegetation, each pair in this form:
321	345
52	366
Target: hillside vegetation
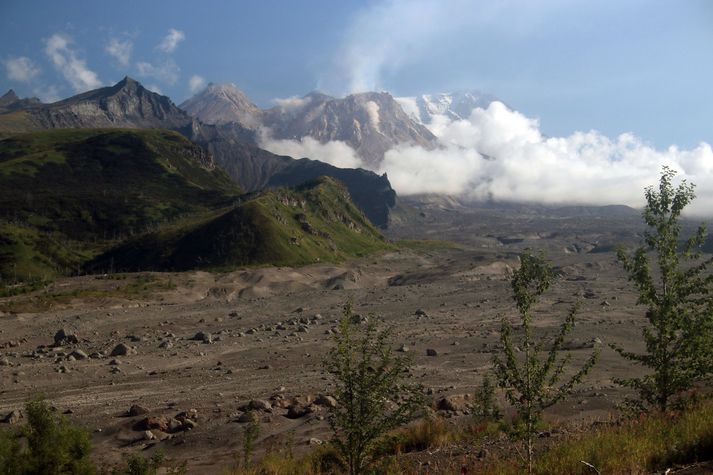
315	222
150	199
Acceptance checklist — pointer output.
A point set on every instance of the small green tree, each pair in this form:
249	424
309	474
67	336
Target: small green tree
677	294
532	380
372	393
47	445
486	407
250	434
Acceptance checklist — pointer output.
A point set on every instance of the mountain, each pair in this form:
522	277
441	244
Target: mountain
455	106
128	104
67	194
223	103
313	223
10	102
103	200
371	122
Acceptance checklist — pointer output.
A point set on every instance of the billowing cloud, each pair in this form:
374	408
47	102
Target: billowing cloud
196	83
47	94
170	42
166	71
499	154
292	103
21	69
120	50
59	49
335	153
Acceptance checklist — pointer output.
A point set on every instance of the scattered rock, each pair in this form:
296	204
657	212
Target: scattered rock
315	441
295	411
65	337
455	402
403	348
121	350
205	337
431	352
153	422
326	401
13	417
259	405
79	355
249	416
137	410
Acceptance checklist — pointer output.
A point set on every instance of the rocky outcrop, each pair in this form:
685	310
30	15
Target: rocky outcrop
371	122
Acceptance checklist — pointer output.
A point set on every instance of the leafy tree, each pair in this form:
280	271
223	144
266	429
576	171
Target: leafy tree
373	396
532	379
677	295
486	407
51	445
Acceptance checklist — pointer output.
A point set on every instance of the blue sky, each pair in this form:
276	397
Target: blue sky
614	66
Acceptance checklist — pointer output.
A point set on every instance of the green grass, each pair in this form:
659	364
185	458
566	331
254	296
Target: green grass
650	444
67	195
316	223
107	200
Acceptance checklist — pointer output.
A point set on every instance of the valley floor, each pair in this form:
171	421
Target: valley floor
270	330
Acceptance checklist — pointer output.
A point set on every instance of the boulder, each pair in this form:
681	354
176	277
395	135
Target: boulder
79	355
326	401
65	337
205	337
295	411
455	402
137	410
13	417
259	405
121	350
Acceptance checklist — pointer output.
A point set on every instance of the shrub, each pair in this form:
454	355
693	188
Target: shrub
373	396
47	445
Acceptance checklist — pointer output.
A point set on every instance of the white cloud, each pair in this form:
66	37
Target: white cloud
120	50
21	69
500	154
166	71
196	83
64	58
292	103
47	94
154	88
170	42
335	153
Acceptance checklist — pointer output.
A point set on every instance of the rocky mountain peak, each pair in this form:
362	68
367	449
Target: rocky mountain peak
221	104
9	97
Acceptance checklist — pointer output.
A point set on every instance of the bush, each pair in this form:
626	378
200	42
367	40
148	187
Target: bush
47	445
373	396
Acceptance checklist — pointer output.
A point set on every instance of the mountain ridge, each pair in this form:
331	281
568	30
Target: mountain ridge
129	104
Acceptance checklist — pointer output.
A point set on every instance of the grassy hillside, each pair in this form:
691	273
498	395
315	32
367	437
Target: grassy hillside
316	222
66	195
74	200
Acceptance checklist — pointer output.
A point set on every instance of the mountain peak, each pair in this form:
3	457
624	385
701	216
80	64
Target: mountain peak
223	103
9	96
128	83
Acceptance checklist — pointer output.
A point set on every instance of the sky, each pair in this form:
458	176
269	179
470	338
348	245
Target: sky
625	66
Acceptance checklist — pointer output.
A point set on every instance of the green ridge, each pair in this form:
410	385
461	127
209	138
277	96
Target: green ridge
98	200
